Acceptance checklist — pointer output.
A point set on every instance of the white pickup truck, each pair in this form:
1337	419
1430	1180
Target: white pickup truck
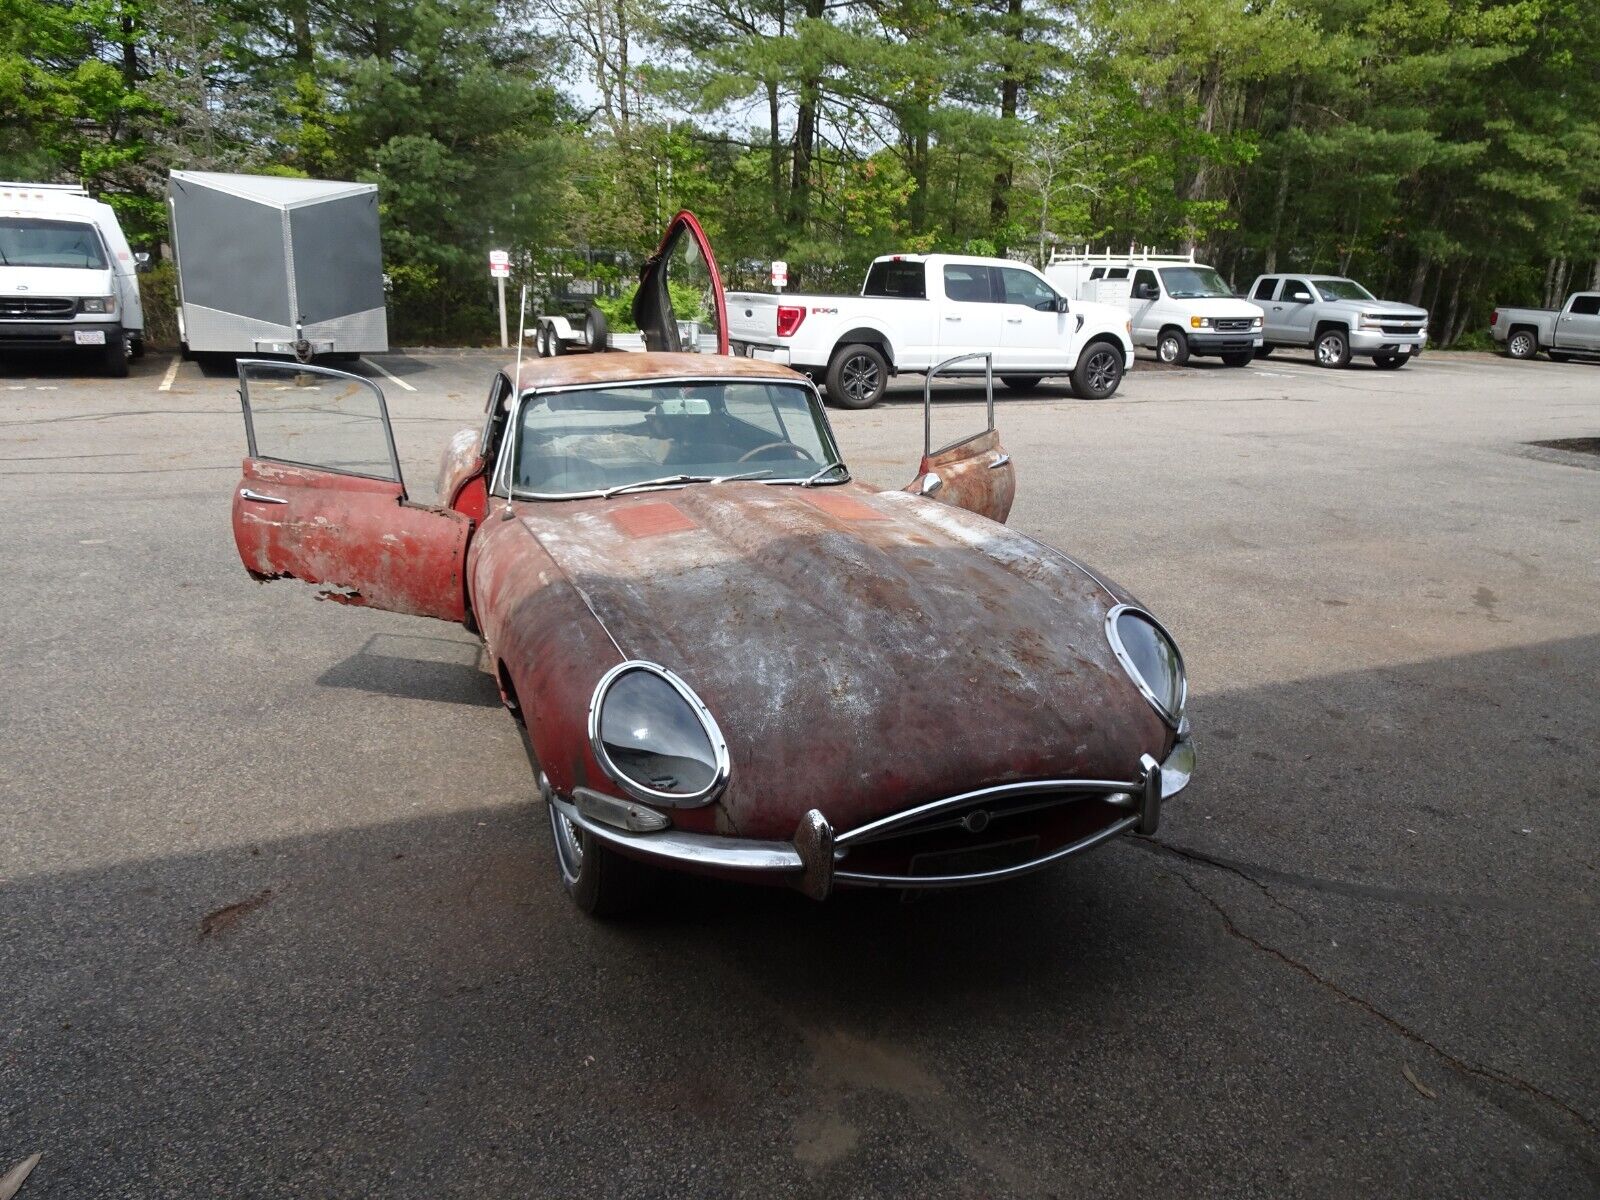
916	310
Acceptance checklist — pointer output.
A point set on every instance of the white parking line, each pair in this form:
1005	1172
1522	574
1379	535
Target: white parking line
389	375
172	373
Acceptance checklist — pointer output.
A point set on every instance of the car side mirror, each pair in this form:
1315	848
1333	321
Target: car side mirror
141	261
1061	305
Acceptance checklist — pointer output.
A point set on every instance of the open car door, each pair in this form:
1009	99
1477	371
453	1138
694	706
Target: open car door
322	499
680	303
973	472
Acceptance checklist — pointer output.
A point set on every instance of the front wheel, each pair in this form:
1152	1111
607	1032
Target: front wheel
1099	372
600	881
1389	362
115	358
1333	348
1522	344
1173	347
1022	383
1263	351
857	376
1238	360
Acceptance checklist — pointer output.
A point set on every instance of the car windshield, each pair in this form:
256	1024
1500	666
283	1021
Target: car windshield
1342	289
592	441
1191	283
33	242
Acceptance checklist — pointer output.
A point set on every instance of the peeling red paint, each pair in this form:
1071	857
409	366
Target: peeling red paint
650	518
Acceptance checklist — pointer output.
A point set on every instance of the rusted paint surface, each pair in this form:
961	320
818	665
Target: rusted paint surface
650	519
353	533
970	479
460	463
854	666
576	370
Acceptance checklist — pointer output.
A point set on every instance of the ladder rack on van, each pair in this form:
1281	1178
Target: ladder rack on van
1086	255
36	191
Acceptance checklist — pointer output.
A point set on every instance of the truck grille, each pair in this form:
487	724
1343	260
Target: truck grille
36	308
1232	325
1404	327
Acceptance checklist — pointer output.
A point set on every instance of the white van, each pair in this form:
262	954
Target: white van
67	276
1180	308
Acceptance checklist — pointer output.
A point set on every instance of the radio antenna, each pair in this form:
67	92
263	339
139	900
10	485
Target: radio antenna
515	417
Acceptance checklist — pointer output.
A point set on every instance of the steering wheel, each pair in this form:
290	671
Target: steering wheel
794	451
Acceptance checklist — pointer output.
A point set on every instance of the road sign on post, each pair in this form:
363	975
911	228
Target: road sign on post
780	274
499	269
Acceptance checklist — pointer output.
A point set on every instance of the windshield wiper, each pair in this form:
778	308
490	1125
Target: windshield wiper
743	475
815	477
664	481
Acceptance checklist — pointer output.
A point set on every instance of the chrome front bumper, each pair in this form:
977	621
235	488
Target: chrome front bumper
812	860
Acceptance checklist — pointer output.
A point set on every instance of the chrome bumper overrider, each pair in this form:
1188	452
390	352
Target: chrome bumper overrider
814	860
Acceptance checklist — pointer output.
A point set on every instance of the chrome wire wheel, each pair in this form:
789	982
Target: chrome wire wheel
1102	370
859	377
569	845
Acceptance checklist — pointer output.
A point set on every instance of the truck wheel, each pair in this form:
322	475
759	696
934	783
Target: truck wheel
596	331
857	376
1333	348
1389	362
1172	347
1522	344
1263	351
1238	360
115	360
1022	383
1099	371
554	346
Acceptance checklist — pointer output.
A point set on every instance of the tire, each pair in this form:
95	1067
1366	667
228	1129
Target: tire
1022	383
1522	343
138	347
540	340
1333	349
600	881
553	343
114	359
1172	347
1264	352
596	331
1389	362
1099	371
1238	360
857	376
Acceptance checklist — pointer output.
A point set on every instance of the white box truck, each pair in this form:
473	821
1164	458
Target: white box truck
273	265
67	276
1180	308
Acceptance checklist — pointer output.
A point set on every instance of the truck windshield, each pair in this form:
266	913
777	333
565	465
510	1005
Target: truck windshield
34	242
1192	283
590	441
1342	289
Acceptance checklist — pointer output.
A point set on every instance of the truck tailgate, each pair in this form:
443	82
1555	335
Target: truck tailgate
753	317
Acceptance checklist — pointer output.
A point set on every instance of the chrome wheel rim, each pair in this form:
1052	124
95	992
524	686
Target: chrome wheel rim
1102	371
859	377
569	844
1169	350
1519	345
1328	350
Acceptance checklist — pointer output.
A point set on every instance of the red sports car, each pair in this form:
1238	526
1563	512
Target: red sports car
725	654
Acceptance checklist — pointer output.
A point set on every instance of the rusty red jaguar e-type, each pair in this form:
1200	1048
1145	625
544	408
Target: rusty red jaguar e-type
725	655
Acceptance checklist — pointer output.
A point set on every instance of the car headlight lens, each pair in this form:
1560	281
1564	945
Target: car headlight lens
1150	656
1255	323
1199	322
655	738
99	304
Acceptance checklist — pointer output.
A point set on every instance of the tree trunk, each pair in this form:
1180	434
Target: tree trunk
1419	279
1549	282
1450	310
805	136
303	47
917	206
1010	91
1280	200
774	152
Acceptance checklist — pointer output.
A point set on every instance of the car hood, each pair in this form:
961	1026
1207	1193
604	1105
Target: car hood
1387	308
55	281
862	651
1219	307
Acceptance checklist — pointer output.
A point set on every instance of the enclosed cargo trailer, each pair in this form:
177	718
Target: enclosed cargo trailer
271	265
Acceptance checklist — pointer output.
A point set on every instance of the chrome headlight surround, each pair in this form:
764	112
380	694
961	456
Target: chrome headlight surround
1114	636
721	767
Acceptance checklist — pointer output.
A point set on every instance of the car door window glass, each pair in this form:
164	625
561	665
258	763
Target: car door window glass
1027	289
1145	286
1265	288
1296	292
1586	306
968	284
314	417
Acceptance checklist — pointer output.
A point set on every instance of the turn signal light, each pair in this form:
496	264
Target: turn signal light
789	318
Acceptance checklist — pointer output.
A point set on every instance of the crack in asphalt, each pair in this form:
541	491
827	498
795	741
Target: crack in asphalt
1196	856
1479	1071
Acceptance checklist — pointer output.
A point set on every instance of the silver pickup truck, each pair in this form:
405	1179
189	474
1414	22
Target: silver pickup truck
1339	319
1574	330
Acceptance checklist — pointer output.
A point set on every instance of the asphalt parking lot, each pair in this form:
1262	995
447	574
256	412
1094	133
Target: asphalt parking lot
279	914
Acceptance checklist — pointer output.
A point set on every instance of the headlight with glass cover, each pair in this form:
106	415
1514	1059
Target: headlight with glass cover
1150	656
655	738
98	304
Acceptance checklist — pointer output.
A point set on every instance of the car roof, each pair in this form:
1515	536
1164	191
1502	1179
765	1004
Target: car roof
575	370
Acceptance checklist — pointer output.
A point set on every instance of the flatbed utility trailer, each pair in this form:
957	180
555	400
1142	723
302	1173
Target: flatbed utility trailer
273	265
